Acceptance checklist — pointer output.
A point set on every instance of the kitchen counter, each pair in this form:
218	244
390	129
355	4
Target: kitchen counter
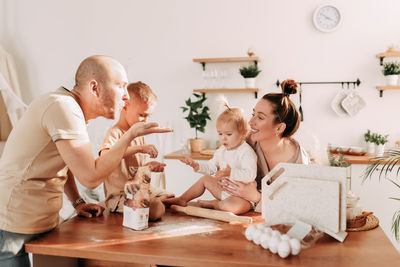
207	154
181	240
194	155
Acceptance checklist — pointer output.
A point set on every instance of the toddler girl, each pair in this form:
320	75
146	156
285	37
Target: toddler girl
235	160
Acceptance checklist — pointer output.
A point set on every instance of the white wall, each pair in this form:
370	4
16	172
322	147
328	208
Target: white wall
157	40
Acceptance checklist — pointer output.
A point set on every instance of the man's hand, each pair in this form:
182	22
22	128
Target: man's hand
141	128
189	161
156	166
224	173
151	150
89	210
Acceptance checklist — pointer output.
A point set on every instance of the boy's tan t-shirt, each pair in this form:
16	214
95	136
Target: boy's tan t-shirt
32	172
115	182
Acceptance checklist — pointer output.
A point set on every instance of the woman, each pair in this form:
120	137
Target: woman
274	120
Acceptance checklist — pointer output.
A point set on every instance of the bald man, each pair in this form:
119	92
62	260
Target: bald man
50	146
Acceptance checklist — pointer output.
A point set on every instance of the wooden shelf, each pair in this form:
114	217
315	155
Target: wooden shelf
383	88
228	90
381	56
203	61
226	59
179	154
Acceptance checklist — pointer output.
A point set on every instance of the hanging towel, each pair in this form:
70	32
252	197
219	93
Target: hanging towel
14	104
9	107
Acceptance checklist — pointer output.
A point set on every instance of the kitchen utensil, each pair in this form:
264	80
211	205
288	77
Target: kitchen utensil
310	193
336	103
353	103
211	214
300	108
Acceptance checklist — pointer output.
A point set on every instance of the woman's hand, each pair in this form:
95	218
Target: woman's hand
189	161
237	188
141	128
89	210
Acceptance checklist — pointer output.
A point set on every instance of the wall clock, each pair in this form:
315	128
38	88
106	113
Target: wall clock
327	18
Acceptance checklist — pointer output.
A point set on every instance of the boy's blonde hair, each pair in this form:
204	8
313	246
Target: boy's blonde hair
142	91
236	117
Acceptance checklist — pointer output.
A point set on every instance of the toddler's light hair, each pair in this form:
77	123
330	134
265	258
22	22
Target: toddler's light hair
143	92
236	117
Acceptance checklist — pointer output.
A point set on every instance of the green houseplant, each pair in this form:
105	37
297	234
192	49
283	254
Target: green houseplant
368	138
249	73
391	70
380	141
197	116
386	164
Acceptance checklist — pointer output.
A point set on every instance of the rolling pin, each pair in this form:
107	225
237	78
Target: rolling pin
212	214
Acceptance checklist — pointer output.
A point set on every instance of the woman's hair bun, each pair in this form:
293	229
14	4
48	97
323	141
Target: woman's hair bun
289	87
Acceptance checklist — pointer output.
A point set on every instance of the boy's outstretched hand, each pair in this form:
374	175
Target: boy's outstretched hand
189	161
156	166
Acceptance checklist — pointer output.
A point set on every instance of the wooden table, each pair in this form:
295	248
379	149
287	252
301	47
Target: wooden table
181	240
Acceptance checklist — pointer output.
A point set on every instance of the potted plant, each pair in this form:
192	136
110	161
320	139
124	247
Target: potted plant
387	163
197	116
380	141
391	70
370	143
249	74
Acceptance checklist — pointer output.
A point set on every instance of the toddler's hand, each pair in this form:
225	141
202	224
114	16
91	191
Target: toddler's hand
151	150
189	161
156	166
224	173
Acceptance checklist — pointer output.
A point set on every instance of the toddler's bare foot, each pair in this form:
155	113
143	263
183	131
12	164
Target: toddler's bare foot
175	201
210	204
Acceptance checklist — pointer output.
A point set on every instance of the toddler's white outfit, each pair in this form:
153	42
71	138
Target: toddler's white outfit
242	160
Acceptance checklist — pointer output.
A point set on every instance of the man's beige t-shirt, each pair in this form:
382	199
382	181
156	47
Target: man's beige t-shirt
115	182
32	172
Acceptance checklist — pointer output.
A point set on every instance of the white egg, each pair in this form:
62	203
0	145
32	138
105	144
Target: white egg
284	249
264	241
260	226
273	244
257	236
285	237
276	233
249	232
295	246
268	230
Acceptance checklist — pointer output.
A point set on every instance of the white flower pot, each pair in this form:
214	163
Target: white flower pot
370	148
250	82
392	80
380	149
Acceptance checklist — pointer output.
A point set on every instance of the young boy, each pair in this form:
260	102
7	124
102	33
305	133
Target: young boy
234	159
140	106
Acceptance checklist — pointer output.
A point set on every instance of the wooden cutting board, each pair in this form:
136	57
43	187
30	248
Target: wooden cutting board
289	199
314	193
